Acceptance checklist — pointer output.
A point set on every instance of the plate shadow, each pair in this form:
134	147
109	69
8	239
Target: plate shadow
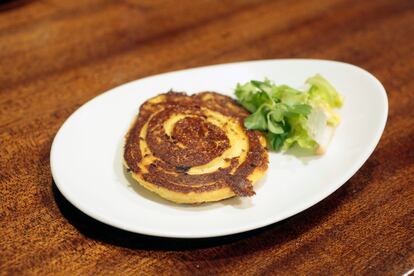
279	233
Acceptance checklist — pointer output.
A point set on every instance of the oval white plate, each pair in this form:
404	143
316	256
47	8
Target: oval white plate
86	155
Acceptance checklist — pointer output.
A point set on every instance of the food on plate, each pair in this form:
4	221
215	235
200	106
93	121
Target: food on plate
193	149
288	116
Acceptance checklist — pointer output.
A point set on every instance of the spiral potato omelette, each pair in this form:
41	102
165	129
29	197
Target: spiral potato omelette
193	149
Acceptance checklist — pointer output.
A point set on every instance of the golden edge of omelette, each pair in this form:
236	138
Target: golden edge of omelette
200	197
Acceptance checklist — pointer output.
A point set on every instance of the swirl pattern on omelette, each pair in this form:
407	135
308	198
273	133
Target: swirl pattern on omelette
193	149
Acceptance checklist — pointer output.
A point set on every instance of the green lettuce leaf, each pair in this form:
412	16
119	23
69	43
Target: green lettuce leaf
282	112
250	97
256	120
322	93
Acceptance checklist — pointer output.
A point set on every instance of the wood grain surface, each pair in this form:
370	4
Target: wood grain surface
57	54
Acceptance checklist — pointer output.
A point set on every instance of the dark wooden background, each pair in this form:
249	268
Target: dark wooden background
55	55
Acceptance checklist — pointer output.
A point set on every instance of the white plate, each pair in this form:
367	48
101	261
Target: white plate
87	152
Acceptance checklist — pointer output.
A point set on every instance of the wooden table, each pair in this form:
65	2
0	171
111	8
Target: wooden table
55	55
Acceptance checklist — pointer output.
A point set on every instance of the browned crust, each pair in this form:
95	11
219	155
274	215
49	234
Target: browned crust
193	142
